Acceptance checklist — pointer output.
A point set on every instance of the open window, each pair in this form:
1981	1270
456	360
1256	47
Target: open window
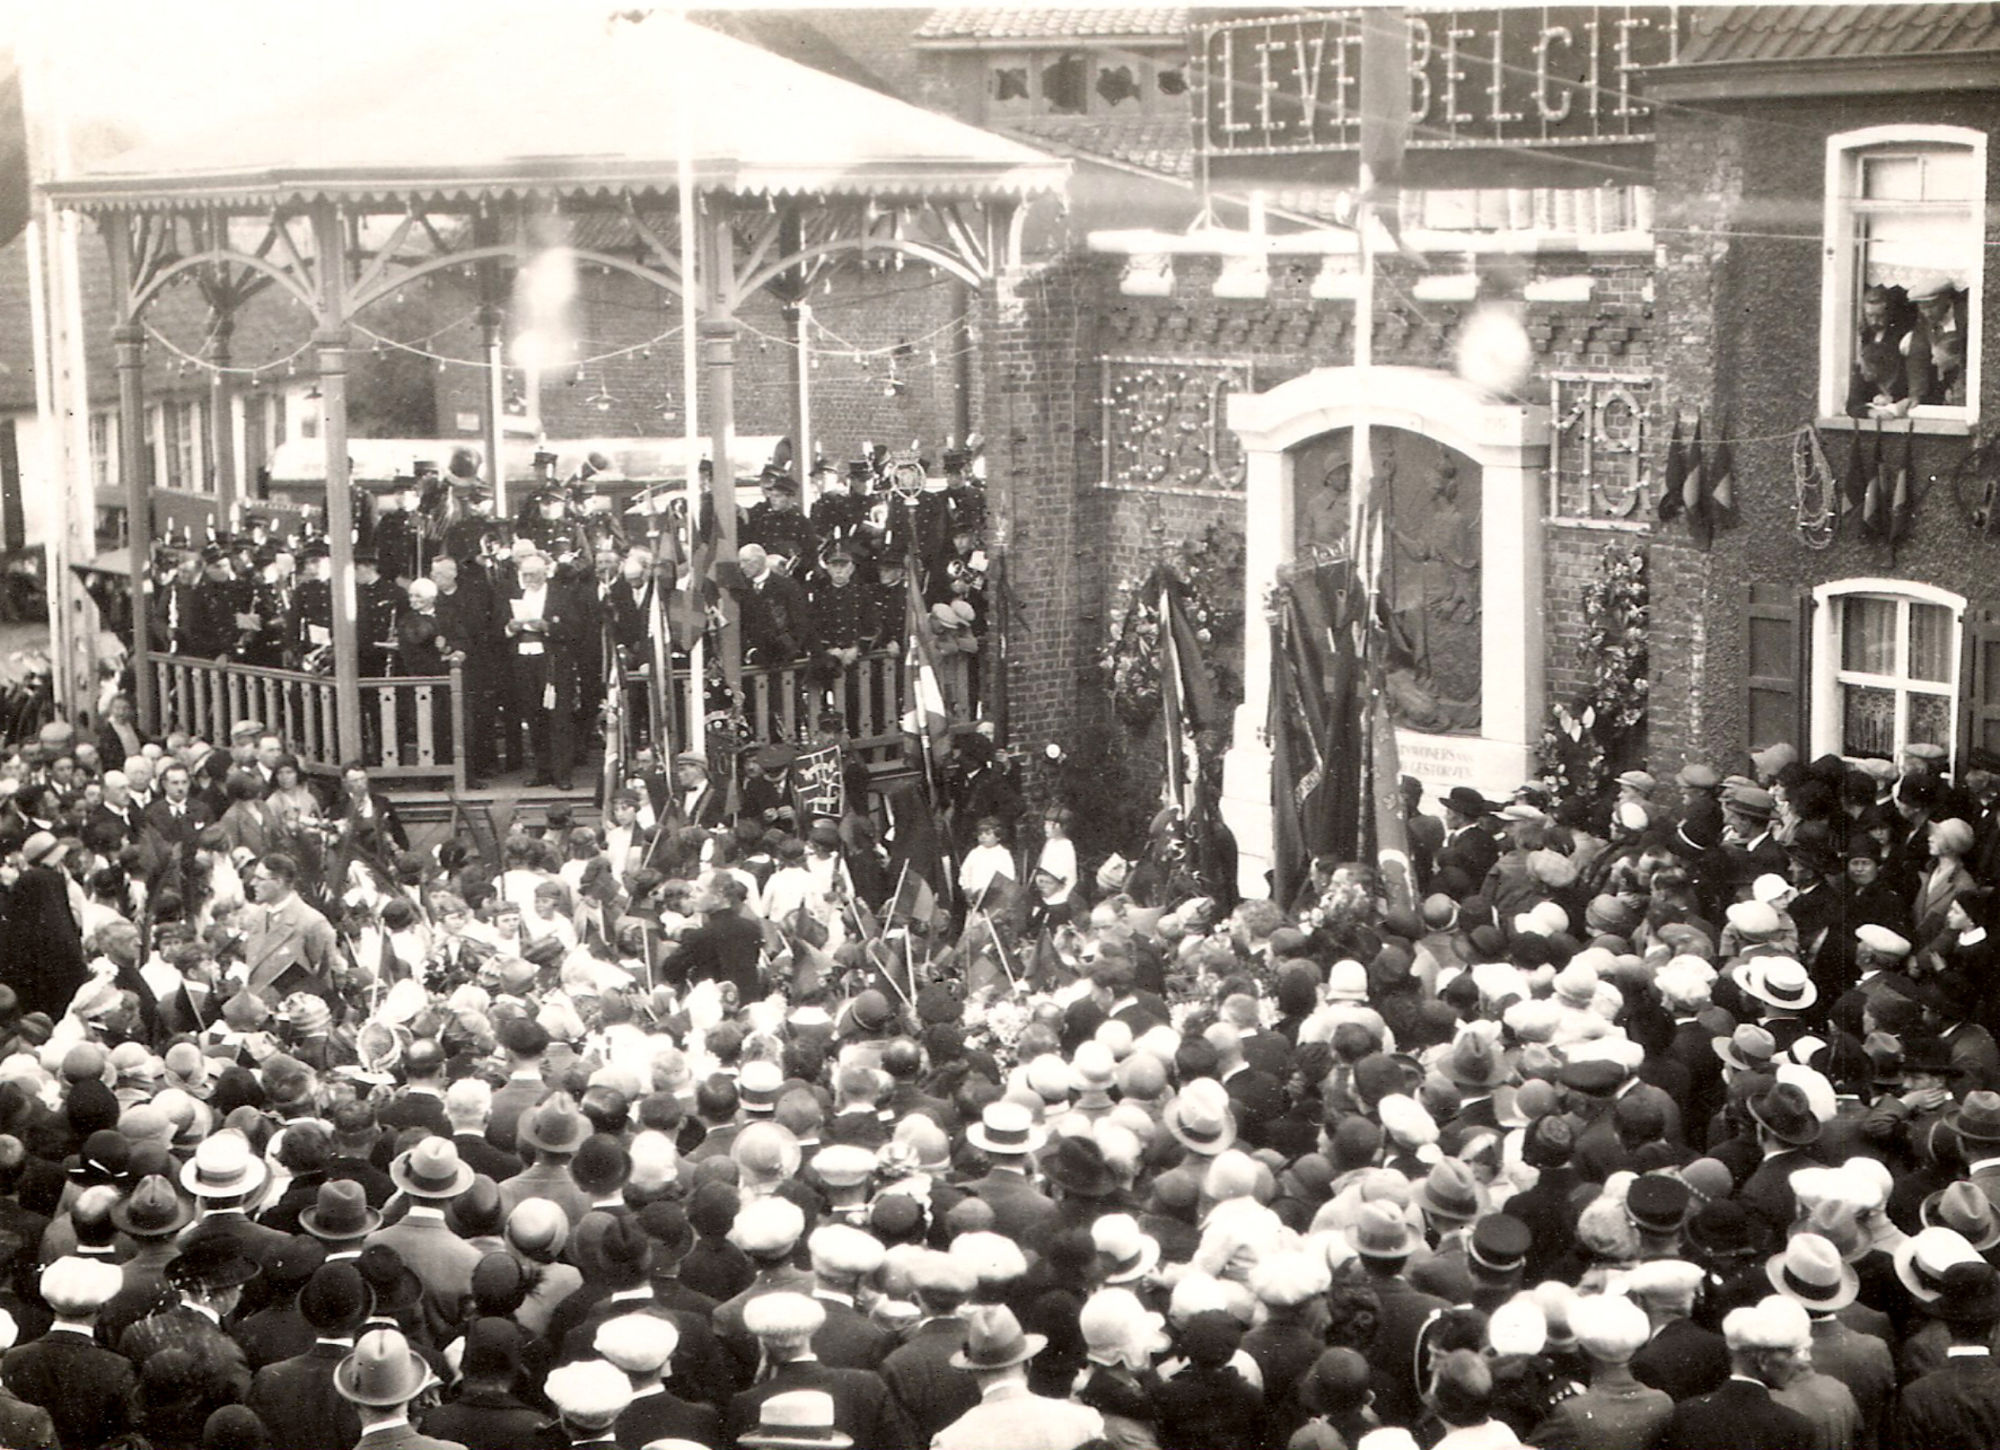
1901	312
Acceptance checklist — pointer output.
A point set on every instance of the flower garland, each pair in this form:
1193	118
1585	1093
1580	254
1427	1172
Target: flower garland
1208	573
1588	740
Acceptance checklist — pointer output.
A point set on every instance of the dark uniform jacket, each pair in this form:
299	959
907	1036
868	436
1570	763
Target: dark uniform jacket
843	616
862	1404
87	1390
1741	1415
1954	1408
1683	1359
296	1401
919	1373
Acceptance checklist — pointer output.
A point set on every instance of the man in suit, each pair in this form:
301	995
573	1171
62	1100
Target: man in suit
538	619
1680	1357
525	1041
1384	1241
368	820
642	1345
87	1390
784	1325
1009	1137
420	1104
430	1175
295	1397
777	627
380	1377
695	800
919	1372
115	814
1740	1413
843	1258
727	946
209	1277
590	1395
485	1409
996	1354
1786	1131
1469	847
1957	1407
171	823
289	946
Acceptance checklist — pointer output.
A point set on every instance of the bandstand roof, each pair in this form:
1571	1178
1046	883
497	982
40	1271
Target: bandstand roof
557	100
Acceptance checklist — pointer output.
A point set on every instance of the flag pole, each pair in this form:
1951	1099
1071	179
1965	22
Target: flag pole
1012	981
697	736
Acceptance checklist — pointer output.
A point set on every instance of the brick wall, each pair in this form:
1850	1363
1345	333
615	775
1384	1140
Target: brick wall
1290	333
1740	210
1035	331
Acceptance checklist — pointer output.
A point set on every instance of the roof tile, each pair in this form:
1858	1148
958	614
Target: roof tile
1009	22
1823	32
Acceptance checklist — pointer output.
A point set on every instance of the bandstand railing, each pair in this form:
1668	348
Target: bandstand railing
412	727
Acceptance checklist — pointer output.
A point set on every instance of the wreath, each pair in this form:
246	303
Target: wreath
1207	575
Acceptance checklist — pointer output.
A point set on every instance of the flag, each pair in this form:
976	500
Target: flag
1391	836
694	593
866	924
817	786
1854	482
1722	493
1304	771
658	633
1875	501
914	901
802	925
1048	963
1385	115
17	200
924	712
1903	503
1173	731
1672	501
1694	496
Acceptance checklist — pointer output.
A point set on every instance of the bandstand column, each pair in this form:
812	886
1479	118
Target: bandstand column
493	405
222	419
330	346
129	339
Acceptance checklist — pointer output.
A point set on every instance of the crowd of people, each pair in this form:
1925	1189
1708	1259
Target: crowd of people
539	611
1664	1120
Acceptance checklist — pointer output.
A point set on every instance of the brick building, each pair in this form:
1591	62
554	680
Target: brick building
1799	164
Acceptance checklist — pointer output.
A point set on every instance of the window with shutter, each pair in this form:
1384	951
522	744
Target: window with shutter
1980	730
1775	655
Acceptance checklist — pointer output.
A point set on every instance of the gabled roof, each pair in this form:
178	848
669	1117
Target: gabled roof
1733	33
558	100
1010	22
1152	143
1747	51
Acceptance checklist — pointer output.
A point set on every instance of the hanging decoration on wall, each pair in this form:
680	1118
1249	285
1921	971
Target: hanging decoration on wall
1975	485
1164	422
1882	490
1814	500
1208	574
1700	486
1600	445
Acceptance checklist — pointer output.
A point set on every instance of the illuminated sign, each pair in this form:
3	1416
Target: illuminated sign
1546	76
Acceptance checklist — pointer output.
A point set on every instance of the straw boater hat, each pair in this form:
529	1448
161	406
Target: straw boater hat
1008	1129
